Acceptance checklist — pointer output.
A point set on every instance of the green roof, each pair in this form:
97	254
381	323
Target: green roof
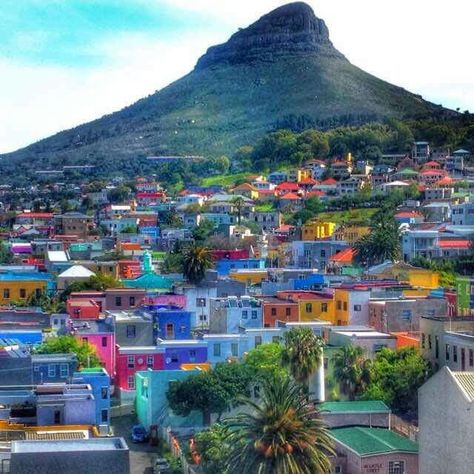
373	406
370	441
408	171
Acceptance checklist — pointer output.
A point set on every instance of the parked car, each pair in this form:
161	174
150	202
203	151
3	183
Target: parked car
161	466
139	434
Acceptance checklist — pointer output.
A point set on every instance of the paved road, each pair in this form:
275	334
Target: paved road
141	454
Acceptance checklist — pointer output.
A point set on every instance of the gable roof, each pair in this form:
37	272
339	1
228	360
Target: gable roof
466	381
76	271
291	197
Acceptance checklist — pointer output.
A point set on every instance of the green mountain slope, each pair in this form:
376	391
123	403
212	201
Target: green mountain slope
283	65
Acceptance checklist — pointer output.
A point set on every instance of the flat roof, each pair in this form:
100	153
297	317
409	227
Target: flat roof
372	441
53	446
358	406
363	334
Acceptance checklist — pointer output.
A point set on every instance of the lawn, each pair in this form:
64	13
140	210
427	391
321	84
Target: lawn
353	216
223	180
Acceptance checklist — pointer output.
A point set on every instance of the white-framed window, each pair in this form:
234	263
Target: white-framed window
131	382
217	350
357	307
51	370
396	467
64	370
149	361
131	362
234	349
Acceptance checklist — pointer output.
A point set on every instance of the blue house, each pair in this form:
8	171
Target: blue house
314	281
225	266
28	337
53	367
99	380
170	322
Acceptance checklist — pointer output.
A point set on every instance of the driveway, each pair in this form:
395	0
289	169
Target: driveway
141	454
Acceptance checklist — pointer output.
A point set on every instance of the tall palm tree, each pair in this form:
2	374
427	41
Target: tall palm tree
302	354
282	434
238	203
351	370
196	261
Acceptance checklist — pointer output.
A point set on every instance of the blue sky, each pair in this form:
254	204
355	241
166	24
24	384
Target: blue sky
63	62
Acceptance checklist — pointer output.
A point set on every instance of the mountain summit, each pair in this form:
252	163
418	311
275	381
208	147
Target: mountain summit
290	29
282	71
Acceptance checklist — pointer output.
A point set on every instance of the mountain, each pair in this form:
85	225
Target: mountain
282	69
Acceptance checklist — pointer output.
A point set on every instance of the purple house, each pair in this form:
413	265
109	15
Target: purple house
190	351
165	299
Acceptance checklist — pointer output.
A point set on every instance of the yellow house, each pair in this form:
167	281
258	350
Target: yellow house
423	278
250	276
416	292
17	287
351	233
317	308
297	175
316	230
341	312
247	190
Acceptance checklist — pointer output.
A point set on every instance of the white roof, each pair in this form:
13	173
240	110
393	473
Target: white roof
76	271
397	183
57	256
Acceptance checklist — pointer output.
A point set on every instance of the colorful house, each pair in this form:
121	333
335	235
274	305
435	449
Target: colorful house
177	353
225	266
249	277
276	309
352	306
312	304
316	230
170	322
82	309
21	285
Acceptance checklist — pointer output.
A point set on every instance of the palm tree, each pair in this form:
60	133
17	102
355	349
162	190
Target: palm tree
351	370
238	202
302	354
281	434
196	261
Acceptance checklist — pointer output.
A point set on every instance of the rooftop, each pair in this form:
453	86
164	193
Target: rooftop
369	406
54	446
466	381
370	441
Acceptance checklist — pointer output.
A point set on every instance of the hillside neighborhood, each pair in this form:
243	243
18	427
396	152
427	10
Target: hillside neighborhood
133	316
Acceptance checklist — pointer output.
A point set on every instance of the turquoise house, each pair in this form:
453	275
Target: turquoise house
151	403
149	280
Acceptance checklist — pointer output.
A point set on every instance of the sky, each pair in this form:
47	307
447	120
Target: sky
65	62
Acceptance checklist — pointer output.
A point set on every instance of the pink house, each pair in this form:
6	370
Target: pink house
165	299
133	359
100	334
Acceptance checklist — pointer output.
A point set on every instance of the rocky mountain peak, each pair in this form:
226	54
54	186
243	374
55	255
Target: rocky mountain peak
292	28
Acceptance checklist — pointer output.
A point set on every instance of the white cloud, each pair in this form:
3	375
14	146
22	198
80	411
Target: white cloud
420	45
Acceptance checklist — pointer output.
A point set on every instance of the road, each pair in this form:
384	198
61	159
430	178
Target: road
141	454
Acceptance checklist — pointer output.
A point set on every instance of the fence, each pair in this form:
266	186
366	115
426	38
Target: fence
404	428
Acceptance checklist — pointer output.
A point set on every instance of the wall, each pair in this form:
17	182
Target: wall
124	372
279	311
176	356
14	289
143	332
106	353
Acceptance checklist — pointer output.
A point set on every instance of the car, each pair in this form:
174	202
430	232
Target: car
139	434
161	466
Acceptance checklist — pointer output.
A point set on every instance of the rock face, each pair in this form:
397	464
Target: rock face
290	29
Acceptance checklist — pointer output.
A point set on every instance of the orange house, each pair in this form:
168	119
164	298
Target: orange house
275	310
83	309
406	339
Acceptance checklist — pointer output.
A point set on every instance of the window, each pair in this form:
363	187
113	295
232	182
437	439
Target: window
422	340
245	314
396	467
234	349
323	253
309	307
174	357
339	304
455	353
258	340
344	306
274	311
51	370
131	362
324	307
169	331
276	339
149	361
192	355
254	314
406	314
104	393
104	341
131	330
64	370
338	470
104	415
357	307
118	301
201	302
22	293
131	382
447	351
57	417
429	341
436	346
217	350
288	311
36	368
471	358
131	301
6	293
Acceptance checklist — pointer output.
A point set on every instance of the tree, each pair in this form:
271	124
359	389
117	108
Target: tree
265	361
98	282
209	392
213	448
281	434
302	354
204	230
395	377
351	370
86	355
238	203
196	261
6	256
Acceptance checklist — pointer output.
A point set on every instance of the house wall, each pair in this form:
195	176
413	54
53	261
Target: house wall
20	290
176	356
284	311
104	344
126	368
143	332
123	299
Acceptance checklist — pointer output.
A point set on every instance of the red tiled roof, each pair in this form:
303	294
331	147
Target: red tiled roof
454	244
308	181
315	194
344	256
329	181
149	195
286	186
408	214
444	181
433	172
37	215
291	197
431	163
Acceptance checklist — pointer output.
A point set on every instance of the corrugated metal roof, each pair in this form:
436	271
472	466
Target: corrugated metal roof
466	380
